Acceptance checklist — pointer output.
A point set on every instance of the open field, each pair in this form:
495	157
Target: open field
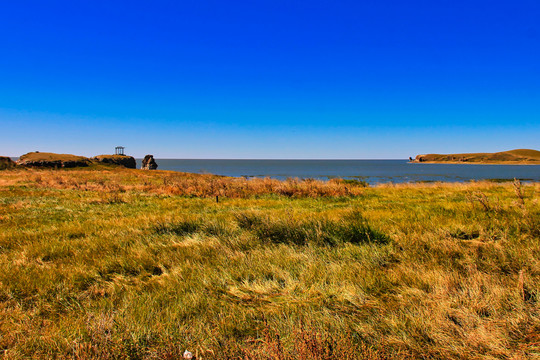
111	263
511	157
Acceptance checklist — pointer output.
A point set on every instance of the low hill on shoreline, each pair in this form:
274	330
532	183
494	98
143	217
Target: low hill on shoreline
122	160
517	157
52	160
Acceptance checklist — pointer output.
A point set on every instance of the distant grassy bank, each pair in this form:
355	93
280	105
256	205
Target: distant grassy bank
102	263
511	157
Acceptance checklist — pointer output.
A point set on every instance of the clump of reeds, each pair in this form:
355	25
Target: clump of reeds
531	221
209	186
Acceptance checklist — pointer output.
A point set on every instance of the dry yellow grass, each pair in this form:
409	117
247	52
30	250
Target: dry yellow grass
184	184
127	264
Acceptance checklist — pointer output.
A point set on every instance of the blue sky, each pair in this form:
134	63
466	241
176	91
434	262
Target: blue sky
269	79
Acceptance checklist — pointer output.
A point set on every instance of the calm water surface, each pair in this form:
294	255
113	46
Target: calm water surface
372	171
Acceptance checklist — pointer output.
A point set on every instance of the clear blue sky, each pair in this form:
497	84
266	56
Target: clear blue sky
269	79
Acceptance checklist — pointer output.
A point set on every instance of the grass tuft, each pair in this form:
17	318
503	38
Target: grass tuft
289	230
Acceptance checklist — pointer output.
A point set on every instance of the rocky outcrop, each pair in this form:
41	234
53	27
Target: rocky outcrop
149	163
122	160
52	160
6	163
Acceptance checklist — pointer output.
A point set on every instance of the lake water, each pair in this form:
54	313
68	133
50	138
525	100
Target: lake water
371	171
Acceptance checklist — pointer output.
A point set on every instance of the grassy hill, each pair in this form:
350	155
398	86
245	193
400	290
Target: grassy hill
518	156
528	153
52	160
46	156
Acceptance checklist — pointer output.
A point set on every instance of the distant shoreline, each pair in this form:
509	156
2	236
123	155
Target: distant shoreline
478	162
510	157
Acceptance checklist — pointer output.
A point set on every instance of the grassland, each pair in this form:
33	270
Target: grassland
512	157
128	264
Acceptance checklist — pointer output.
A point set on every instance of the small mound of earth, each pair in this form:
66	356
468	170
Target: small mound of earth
122	160
52	160
6	163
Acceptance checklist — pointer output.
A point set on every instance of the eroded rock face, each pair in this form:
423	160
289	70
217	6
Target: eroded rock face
6	163
52	163
149	163
122	160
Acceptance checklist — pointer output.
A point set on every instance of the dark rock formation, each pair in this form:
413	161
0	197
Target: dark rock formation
52	160
149	163
6	163
72	164
122	160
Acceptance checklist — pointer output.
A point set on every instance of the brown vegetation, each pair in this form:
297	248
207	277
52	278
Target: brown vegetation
172	183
